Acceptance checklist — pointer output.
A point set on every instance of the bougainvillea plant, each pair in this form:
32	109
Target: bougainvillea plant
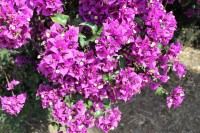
92	53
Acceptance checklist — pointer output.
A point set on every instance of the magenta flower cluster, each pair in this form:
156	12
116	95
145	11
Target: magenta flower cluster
96	74
162	24
76	117
15	16
132	52
13	104
47	7
175	98
12	84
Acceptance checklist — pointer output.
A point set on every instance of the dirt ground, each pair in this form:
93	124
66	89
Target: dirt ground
147	113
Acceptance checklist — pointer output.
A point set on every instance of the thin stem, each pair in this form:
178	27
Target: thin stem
114	95
166	3
13	93
5	76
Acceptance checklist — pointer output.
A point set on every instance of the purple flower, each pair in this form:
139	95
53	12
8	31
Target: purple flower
93	11
179	69
174	49
48	95
13	104
48	7
175	98
190	12
76	117
61	54
12	84
15	14
110	120
161	24
154	85
128	83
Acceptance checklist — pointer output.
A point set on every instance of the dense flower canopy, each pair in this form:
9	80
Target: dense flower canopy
118	48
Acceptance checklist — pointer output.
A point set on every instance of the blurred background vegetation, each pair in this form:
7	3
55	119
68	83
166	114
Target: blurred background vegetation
187	13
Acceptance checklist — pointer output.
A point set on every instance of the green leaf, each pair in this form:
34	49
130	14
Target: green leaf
92	26
160	46
100	31
160	91
122	62
111	77
5	57
93	38
106	101
108	107
77	21
67	98
80	35
170	64
105	77
53	124
90	103
56	125
60	19
85	104
98	113
83	42
139	21
152	71
69	103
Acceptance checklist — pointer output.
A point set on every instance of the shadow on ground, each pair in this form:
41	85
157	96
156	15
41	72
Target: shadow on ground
148	114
